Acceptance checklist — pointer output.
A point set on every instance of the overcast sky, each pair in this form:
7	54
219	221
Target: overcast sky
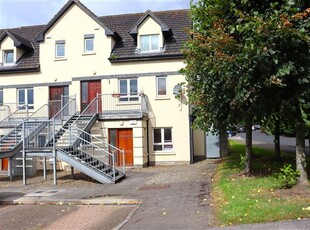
16	13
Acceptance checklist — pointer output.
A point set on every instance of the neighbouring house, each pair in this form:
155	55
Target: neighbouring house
118	74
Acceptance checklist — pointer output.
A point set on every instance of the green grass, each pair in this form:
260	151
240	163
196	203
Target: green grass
239	199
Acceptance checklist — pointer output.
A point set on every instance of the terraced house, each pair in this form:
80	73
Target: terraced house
95	93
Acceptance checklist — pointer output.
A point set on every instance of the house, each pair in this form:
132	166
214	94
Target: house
122	68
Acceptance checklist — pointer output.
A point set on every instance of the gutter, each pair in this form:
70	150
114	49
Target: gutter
25	70
149	58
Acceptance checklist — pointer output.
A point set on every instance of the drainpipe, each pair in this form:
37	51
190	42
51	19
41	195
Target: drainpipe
191	145
148	144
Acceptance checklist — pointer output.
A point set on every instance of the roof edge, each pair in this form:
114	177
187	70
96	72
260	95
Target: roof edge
41	36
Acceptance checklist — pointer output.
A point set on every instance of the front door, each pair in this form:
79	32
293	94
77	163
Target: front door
89	91
122	139
5	164
56	99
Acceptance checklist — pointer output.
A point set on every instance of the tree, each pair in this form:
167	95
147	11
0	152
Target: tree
241	55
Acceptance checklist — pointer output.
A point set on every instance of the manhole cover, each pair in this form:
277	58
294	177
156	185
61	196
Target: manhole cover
154	187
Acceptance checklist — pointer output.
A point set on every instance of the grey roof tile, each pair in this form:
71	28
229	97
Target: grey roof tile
30	59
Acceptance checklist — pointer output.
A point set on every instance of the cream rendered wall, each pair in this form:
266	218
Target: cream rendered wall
72	27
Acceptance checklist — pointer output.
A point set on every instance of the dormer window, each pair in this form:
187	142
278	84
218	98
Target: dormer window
8	57
149	43
89	43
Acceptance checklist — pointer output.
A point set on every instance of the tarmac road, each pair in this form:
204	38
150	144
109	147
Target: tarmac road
266	141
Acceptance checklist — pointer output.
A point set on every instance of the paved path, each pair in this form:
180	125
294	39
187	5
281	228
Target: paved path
171	197
54	217
163	197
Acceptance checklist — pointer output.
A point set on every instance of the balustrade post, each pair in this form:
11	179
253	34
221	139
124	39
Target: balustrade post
24	154
124	161
97	103
54	154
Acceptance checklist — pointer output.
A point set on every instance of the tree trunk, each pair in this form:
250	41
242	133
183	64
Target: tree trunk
223	142
277	139
248	145
301	165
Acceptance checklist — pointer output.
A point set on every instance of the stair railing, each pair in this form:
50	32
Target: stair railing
44	128
17	115
108	147
91	109
88	147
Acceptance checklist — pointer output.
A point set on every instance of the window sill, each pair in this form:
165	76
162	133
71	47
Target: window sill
8	64
163	98
164	153
88	53
60	59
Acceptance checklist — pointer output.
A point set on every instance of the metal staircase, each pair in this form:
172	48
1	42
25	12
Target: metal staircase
12	142
94	161
72	143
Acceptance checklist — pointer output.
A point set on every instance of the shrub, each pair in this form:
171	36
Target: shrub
288	176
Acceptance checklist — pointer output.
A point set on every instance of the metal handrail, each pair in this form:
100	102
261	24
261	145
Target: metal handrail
94	147
63	108
84	111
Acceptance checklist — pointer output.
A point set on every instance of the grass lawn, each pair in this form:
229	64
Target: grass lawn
239	199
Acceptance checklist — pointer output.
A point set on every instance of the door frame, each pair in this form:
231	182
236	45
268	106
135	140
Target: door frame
118	158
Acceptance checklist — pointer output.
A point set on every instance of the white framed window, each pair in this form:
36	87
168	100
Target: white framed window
88	43
1	96
162	139
60	49
8	57
149	43
161	86
25	98
128	89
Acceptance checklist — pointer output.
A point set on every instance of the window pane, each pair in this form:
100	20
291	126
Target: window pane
1	97
168	136
161	86
157	135
30	96
158	148
89	44
154	41
9	57
133	87
60	50
84	92
21	96
168	147
145	44
123	86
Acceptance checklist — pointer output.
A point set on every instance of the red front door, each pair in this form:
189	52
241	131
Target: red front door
89	91
5	164
122	139
56	99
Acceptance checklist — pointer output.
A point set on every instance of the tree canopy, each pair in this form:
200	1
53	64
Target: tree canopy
246	60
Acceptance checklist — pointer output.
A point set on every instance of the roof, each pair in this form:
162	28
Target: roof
108	32
24	37
125	50
172	23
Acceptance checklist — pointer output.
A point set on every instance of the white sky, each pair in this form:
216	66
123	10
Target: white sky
16	13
